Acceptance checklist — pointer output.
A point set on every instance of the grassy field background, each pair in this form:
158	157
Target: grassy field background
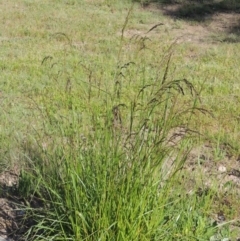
121	120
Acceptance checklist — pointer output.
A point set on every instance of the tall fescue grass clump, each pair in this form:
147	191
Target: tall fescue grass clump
104	161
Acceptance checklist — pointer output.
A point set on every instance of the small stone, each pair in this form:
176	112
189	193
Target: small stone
222	169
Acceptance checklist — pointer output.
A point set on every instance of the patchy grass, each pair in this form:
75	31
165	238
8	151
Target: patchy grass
101	116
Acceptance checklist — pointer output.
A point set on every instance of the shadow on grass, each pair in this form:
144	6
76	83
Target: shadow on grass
18	200
234	33
216	12
200	10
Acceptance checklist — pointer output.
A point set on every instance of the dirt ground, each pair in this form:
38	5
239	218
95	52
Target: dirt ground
9	206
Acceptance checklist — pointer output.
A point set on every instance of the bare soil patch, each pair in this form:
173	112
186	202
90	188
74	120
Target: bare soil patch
12	224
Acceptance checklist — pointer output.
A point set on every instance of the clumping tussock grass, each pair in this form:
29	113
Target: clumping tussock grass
102	162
